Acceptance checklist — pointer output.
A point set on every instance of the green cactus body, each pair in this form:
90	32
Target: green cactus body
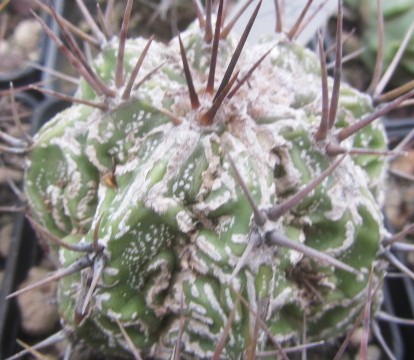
172	221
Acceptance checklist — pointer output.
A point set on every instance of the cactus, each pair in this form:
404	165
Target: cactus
214	203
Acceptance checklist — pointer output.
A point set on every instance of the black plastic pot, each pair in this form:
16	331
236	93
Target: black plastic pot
52	57
408	331
392	332
22	256
401	297
398	128
26	76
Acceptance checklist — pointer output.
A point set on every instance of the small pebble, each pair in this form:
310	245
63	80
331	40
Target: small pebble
38	307
373	353
27	33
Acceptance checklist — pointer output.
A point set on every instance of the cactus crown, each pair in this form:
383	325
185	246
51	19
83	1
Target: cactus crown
209	195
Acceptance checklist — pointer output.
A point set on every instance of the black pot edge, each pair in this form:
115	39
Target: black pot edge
20	259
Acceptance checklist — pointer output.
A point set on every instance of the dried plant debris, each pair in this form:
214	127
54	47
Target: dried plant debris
211	198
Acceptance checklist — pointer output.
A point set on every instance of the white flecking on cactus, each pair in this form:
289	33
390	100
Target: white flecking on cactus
212	190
